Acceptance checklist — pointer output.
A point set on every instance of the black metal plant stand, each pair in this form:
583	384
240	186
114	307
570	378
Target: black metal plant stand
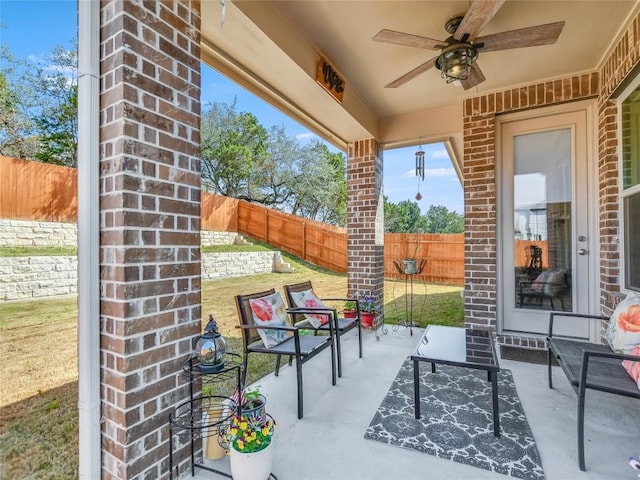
408	293
188	419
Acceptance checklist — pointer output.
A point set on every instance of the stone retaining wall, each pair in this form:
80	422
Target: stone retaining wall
208	237
21	233
239	264
35	277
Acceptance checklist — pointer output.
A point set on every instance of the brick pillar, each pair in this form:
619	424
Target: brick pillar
365	219
479	217
150	226
608	190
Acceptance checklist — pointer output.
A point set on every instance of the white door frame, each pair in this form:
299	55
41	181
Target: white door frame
589	106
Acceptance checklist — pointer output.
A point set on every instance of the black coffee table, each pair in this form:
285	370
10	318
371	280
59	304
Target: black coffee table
461	347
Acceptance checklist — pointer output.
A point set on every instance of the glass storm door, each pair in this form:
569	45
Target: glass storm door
543	224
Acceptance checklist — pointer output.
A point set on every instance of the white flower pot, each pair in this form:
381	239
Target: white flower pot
251	466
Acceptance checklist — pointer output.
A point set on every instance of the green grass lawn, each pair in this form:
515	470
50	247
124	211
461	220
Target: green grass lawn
37	251
38	406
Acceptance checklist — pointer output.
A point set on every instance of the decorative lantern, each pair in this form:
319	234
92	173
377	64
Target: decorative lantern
211	348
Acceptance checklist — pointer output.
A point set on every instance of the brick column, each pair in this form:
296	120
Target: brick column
479	219
150	226
365	219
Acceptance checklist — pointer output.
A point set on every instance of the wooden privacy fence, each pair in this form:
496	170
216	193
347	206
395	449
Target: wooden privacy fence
444	255
326	245
38	191
316	242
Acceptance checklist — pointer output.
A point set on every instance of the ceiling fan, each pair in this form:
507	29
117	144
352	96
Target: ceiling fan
459	52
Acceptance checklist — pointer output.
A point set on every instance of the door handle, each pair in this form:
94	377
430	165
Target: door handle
582	251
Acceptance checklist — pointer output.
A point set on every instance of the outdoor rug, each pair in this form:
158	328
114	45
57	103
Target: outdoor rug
456	420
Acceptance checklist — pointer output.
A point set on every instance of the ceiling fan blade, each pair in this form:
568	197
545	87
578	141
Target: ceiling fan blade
412	74
406	39
523	37
475	77
479	14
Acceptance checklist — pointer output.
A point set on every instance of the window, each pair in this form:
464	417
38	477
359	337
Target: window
630	183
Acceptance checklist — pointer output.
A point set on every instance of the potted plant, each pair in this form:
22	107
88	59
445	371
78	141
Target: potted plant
410	263
350	309
250	439
251	401
368	310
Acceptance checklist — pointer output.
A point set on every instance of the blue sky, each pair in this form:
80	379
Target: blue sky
30	29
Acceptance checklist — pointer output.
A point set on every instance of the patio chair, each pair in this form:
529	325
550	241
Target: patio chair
340	325
277	337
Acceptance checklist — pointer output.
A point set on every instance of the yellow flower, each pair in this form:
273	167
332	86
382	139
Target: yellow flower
265	431
240	444
234	431
243	425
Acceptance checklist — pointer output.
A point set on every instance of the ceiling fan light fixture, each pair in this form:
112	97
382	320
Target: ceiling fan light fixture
455	61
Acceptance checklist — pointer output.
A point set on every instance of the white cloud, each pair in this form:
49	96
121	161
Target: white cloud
305	136
439	172
442	153
432	172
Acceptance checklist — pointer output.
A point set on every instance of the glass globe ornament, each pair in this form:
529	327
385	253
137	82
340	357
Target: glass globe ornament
211	348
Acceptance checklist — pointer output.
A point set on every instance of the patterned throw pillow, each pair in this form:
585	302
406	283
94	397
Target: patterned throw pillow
539	282
270	310
555	283
308	299
633	368
623	332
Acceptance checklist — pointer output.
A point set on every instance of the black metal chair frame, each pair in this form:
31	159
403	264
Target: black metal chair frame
340	325
300	347
588	365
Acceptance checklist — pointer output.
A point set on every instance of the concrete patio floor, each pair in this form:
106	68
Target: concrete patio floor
329	444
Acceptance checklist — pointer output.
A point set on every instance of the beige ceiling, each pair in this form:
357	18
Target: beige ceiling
272	48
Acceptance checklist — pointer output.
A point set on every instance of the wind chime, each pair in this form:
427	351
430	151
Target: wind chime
419	170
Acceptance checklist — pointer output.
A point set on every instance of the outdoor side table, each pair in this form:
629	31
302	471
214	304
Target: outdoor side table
188	418
461	347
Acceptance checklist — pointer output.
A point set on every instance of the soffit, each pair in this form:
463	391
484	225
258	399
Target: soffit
272	47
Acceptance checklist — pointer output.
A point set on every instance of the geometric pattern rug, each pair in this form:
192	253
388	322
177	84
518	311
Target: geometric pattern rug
456	420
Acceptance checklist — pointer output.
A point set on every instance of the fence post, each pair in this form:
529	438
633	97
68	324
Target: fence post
304	240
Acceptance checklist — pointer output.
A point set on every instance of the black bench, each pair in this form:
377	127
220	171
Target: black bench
588	365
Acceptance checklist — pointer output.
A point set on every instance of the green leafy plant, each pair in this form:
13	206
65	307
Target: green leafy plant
350	305
248	398
249	434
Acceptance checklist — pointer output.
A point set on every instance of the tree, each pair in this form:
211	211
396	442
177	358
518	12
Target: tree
234	151
320	187
57	124
41	100
403	217
241	159
17	129
441	220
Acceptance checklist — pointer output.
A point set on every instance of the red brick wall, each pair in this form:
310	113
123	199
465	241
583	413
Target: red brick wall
365	220
624	58
480	182
480	188
150	226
